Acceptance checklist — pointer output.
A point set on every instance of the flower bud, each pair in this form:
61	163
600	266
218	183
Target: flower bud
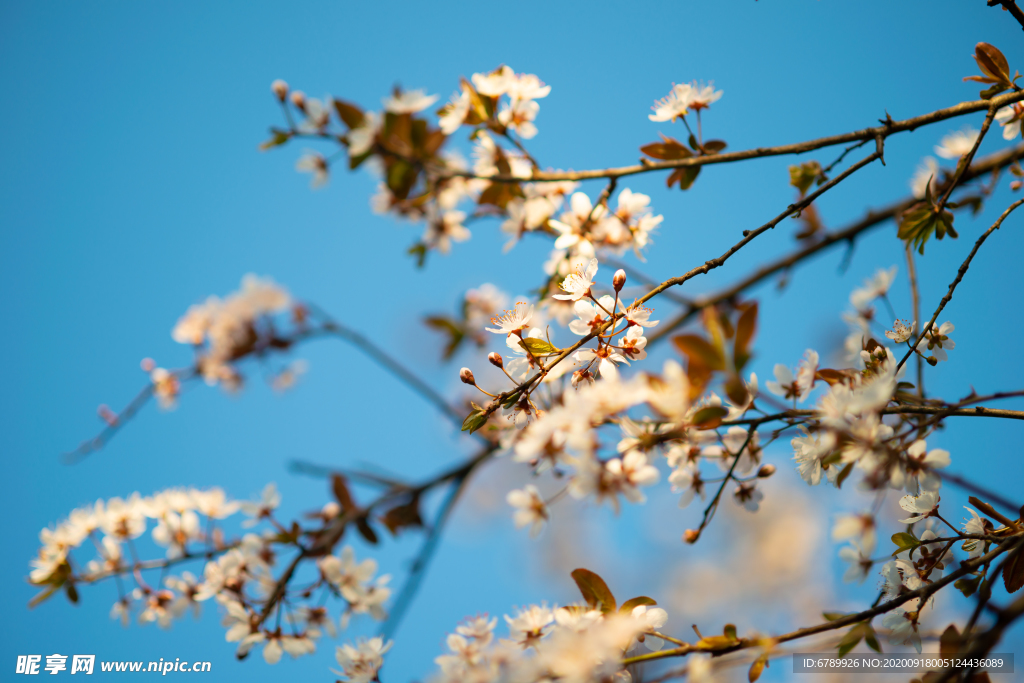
766	471
466	375
299	99
495	359
280	89
932	360
619	279
691	535
330	510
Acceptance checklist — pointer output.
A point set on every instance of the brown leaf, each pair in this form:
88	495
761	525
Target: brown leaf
1013	573
746	328
992	62
402	516
594	590
339	486
631	604
349	113
714	146
688	176
950	642
700	350
366	531
736	390
709	417
668	150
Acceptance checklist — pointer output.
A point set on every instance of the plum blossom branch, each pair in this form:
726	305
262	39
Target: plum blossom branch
924	591
887	128
748	236
328	327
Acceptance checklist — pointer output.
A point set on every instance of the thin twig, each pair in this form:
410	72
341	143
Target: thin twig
873	218
959	276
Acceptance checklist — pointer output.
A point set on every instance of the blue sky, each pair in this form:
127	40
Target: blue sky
133	187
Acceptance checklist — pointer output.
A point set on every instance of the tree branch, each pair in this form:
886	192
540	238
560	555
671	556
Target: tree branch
887	128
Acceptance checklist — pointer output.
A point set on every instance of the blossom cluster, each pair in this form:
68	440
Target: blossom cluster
223	331
573	644
237	574
559	430
423	181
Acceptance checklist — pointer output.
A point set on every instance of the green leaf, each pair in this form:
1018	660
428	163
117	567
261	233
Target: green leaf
279	137
474	421
968	586
538	347
419	250
843	474
43	596
448	326
631	604
851	639
992	91
831	459
871	638
802	176
730	631
595	591
846	646
510	400
921	221
904	541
